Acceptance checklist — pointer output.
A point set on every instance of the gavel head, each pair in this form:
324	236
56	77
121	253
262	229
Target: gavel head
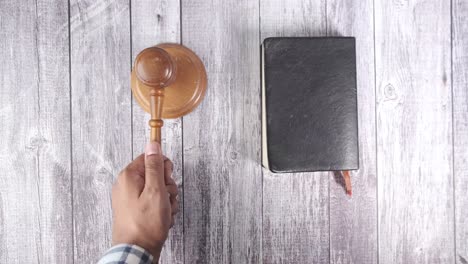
154	67
175	68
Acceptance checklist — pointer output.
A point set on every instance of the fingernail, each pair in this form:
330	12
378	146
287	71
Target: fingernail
153	148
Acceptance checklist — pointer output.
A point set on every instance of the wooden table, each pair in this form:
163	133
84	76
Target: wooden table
69	125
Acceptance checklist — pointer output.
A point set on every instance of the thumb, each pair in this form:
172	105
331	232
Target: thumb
154	167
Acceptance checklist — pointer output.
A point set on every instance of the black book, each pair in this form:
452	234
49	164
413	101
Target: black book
309	101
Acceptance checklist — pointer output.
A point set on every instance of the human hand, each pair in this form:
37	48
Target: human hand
144	201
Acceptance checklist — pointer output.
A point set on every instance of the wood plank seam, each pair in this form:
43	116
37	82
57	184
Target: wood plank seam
71	128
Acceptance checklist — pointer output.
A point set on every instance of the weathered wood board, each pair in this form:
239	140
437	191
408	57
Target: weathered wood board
101	117
222	175
460	126
35	166
414	131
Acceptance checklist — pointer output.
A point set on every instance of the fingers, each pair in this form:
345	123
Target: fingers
174	208
168	168
171	186
131	179
138	165
174	205
172	190
154	167
158	175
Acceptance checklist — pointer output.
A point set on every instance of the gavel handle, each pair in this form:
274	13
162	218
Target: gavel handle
156	103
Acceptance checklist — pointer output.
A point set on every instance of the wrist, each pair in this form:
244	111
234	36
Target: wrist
156	253
150	247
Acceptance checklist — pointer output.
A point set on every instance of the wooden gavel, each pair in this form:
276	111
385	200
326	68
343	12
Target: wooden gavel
154	68
168	81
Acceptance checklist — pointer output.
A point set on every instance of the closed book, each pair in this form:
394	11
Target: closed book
309	104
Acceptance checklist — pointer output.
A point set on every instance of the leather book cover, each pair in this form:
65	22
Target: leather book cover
309	101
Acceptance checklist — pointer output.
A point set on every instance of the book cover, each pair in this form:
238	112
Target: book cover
309	101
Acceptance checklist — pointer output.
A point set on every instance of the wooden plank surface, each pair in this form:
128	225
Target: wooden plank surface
414	128
353	220
154	22
101	117
222	175
295	206
61	149
35	198
460	116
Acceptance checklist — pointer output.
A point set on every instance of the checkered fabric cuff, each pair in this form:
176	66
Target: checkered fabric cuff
126	254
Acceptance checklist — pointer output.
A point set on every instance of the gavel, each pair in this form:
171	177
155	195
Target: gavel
168	81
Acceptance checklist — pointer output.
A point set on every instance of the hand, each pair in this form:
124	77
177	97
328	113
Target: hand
144	201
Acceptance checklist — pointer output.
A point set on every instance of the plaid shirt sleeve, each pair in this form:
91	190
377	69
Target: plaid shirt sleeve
126	254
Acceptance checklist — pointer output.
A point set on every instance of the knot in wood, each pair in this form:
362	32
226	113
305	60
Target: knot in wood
390	92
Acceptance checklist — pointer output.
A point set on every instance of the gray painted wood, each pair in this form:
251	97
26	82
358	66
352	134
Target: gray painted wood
154	22
35	198
295	218
101	117
414	128
295	206
353	220
460	115
222	173
306	217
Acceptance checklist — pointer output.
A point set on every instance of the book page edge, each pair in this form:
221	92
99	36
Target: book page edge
265	161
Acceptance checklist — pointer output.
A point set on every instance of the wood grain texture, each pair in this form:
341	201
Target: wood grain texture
101	117
414	128
222	173
35	198
460	116
155	22
353	220
295	206
55	194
